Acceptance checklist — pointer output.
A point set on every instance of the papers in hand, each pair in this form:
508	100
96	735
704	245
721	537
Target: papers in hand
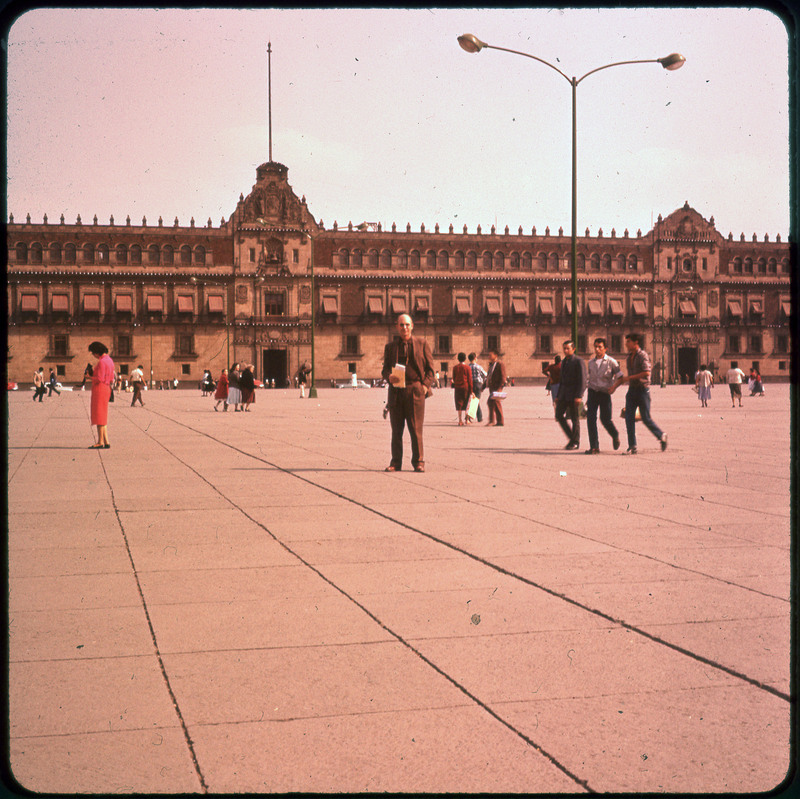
399	371
498	395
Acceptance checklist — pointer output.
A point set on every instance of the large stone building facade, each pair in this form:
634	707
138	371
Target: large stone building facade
274	287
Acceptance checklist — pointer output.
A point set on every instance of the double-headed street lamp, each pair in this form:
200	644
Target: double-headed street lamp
472	44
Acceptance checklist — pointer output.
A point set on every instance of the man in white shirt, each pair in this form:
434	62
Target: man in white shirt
734	377
603	372
137	381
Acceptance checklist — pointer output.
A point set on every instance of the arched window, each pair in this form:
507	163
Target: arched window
607	263
633	263
136	254
580	262
554	261
430	259
103	254
402	259
541	262
621	263
153	255
748	266
414	264
458	261
36	253
186	254
386	259
785	266
70	254
762	266
357	259
737	265
168	254
595	263
514	260
22	253
122	254
499	261
373	259
344	257
55	253
687	264
442	259
487	260
773	266
526	262
88	253
200	255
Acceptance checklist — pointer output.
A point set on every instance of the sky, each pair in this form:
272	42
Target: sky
380	116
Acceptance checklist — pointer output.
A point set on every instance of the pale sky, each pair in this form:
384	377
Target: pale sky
380	116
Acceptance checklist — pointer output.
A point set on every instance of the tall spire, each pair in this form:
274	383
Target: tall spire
269	80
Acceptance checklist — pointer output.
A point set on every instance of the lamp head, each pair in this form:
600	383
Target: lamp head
672	61
471	43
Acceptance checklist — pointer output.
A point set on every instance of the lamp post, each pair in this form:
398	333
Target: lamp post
472	44
312	391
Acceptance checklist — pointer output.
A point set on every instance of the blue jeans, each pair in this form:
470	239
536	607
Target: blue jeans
639	397
599	400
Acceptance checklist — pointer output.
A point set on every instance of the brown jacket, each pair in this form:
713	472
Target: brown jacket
423	362
497	376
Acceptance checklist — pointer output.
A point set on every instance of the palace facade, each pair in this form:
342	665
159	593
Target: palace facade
271	283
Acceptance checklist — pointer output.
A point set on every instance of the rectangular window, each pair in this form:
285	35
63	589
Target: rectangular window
351	367
782	343
733	343
582	343
61	370
782	365
122	368
493	343
669	263
252	255
60	345
186	344
755	342
443	343
123	345
545	343
705	264
186	369
351	345
296	256
616	343
274	304
443	366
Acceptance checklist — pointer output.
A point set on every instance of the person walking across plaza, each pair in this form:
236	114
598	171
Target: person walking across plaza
553	372
638	396
603	372
735	376
247	385
495	381
408	366
103	379
302	378
478	382
462	386
38	384
704	381
52	385
234	392
221	394
570	393
137	381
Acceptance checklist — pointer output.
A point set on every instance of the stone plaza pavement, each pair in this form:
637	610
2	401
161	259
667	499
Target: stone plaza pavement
232	602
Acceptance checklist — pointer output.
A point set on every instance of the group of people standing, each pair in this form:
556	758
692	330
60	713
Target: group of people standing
236	386
469	380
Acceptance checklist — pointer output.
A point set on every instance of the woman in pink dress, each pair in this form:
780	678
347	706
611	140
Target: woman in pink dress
102	380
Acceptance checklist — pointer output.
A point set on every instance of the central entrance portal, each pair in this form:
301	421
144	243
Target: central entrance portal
275	366
688	364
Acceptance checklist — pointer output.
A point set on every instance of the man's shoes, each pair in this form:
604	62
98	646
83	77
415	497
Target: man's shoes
663	442
420	467
572	445
631	451
616	443
593	451
391	468
385	412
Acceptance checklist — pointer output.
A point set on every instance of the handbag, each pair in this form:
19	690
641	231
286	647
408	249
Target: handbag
472	408
111	398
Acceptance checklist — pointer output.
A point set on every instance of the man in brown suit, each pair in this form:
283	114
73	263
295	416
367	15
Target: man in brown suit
407	404
495	380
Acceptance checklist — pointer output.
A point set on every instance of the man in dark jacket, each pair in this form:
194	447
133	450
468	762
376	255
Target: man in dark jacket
570	392
408	366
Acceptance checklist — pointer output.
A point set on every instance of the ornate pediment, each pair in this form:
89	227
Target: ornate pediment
686	224
272	203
